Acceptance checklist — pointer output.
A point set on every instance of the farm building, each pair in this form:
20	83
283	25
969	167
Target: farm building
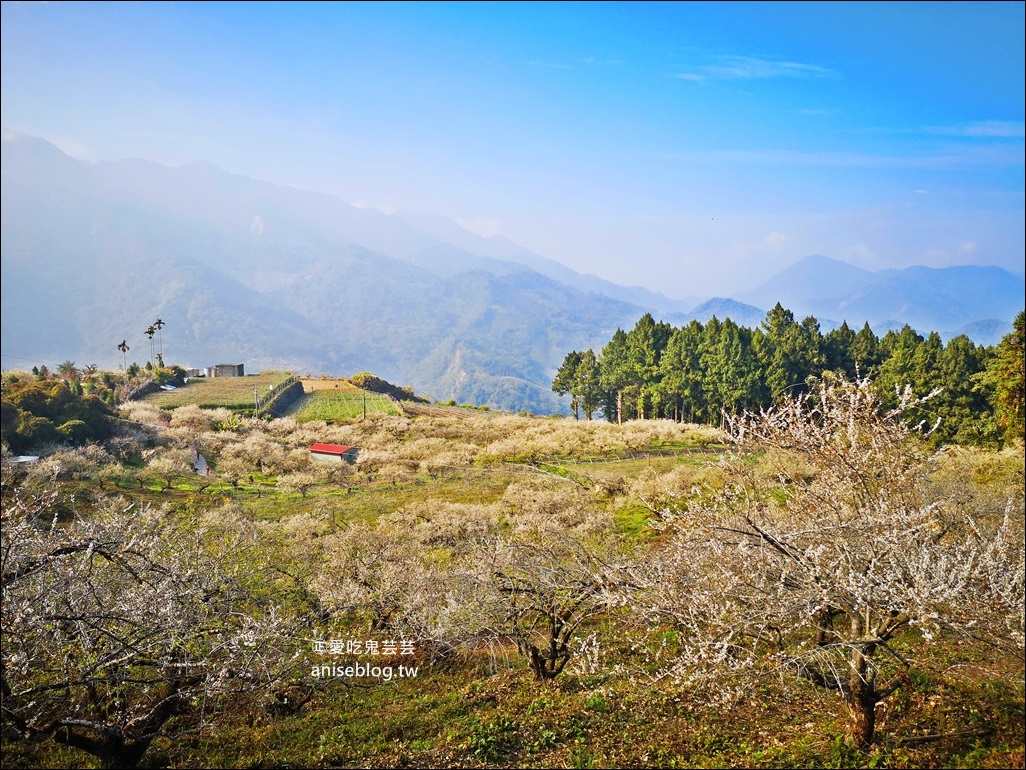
227	370
333	453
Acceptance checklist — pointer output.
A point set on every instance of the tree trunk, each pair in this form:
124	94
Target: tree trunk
861	701
860	695
126	755
113	750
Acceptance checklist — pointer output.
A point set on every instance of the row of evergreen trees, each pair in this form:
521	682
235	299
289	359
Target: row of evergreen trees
698	372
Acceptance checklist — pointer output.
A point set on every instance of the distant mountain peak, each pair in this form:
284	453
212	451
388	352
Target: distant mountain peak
820	259
942	299
810	278
724	307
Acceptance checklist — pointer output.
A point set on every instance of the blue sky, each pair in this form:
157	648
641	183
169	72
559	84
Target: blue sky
694	148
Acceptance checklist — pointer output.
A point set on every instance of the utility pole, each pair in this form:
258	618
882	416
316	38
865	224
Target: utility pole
256	402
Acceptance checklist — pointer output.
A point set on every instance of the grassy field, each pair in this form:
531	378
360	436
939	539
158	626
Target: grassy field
338	401
961	706
470	716
235	393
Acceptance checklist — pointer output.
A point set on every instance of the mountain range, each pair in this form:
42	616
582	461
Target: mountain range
248	271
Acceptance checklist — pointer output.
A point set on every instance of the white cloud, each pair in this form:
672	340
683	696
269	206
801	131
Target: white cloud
754	68
953	157
484	226
982	129
861	255
75	149
769	244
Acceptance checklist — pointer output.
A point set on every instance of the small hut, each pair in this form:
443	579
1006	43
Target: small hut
333	453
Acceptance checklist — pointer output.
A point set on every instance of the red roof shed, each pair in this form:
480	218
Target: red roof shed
331	451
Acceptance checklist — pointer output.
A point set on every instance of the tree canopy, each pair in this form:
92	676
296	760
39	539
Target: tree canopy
52	411
701	372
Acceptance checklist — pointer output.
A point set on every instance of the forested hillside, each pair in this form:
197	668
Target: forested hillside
699	372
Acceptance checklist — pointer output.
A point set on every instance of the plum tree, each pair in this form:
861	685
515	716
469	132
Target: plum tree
821	569
123	625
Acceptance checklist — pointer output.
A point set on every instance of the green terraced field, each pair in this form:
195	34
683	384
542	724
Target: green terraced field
341	405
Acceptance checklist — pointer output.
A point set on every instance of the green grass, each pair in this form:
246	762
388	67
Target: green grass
459	716
236	393
366	500
340	406
634	522
462	713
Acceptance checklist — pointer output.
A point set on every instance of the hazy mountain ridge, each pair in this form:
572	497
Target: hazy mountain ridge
723	308
977	301
501	248
250	271
245	270
112	271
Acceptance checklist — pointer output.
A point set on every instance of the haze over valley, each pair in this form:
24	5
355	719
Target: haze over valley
276	277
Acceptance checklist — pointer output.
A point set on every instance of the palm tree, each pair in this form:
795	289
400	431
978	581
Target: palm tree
160	336
123	347
149	333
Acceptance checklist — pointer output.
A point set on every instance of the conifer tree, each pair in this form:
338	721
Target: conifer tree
565	380
898	365
645	344
1006	373
615	374
865	351
680	373
837	350
586	380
